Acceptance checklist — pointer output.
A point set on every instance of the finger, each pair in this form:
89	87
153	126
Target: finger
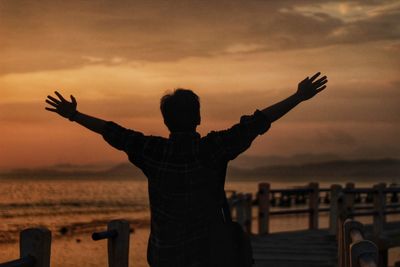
320	89
51	109
51	103
315	76
55	100
305	80
73	100
319	83
320	79
60	96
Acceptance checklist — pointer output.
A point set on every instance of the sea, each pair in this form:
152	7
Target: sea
74	209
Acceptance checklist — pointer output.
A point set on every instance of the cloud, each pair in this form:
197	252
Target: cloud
44	35
336	136
352	101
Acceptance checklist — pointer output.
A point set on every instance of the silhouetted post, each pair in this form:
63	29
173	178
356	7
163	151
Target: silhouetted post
248	212
364	253
379	208
333	213
263	208
117	235
313	205
379	219
34	249
232	202
240	210
349	200
340	221
356	251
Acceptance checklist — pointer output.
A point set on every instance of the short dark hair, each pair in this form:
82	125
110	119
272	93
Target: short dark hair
181	110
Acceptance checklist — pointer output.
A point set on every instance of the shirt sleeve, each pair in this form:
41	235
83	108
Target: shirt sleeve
130	141
235	140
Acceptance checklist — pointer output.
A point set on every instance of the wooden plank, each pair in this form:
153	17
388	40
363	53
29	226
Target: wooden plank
36	242
299	248
118	247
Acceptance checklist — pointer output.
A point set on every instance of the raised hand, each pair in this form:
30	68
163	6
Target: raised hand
309	87
61	106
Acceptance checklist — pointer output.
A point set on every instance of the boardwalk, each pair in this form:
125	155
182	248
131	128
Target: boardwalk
306	248
315	246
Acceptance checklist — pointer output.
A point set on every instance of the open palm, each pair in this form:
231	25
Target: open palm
309	87
61	106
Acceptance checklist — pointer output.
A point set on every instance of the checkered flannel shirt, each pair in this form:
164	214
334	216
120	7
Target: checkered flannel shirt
186	175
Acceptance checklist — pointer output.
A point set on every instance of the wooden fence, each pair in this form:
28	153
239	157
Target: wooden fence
344	203
35	244
353	249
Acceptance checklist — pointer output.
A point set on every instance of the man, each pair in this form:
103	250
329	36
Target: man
186	172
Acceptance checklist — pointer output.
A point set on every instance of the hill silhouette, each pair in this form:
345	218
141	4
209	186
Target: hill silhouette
362	169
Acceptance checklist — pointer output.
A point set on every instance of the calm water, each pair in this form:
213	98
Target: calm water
74	209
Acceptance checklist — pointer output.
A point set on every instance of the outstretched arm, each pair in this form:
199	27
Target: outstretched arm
68	110
307	89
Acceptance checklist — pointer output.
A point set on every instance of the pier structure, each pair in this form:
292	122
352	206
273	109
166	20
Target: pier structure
345	243
316	246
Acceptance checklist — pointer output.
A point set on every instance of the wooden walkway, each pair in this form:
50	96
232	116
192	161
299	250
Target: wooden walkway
308	248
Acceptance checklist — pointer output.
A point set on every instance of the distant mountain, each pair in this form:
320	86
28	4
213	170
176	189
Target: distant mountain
251	162
335	169
66	171
338	170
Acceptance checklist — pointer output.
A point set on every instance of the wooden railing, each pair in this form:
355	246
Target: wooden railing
353	249
341	203
35	246
344	203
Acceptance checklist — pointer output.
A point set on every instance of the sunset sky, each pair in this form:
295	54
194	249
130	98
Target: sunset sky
119	57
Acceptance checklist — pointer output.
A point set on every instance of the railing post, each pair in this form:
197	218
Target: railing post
340	229
232	202
379	218
117	236
313	205
363	253
348	226
240	210
263	208
36	242
333	213
349	200
248	212
379	208
118	247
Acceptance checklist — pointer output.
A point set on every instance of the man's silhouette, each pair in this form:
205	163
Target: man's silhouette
186	172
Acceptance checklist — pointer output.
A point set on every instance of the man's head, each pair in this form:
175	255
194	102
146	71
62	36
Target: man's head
181	110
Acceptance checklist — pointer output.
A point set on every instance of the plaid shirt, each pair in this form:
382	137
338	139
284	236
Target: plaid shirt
186	176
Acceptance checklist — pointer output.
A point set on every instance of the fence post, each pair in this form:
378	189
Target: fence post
333	213
263	208
379	208
117	236
341	216
348	226
232	202
248	212
313	205
118	247
349	200
36	242
363	253
379	219
240	210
